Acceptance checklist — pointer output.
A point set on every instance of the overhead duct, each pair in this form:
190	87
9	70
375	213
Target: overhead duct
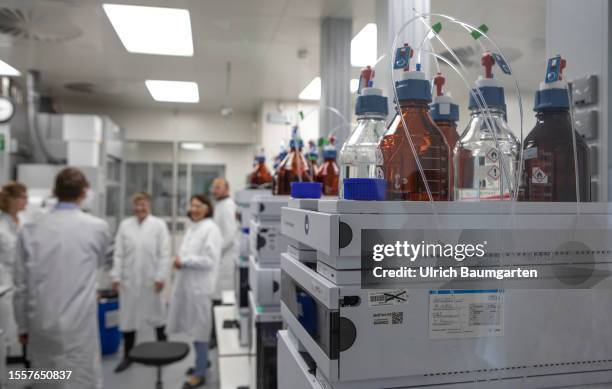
41	153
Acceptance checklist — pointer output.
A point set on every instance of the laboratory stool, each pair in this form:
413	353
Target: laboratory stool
159	354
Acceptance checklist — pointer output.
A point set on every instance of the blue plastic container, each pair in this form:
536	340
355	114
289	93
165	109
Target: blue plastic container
108	321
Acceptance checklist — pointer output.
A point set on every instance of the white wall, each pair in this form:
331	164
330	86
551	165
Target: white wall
269	136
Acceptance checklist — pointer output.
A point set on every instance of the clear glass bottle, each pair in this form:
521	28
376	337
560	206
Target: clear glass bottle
486	169
358	156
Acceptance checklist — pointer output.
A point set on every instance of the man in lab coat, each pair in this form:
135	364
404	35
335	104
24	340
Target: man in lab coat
140	268
225	218
55	299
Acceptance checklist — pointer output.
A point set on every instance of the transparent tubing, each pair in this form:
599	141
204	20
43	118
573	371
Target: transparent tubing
479	100
483	107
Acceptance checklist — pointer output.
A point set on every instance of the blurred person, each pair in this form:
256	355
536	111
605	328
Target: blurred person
197	265
13	200
140	266
225	218
55	302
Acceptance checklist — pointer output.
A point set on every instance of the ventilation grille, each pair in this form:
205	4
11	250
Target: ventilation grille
40	24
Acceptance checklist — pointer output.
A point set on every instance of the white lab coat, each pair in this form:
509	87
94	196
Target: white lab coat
55	293
225	218
191	304
142	257
8	239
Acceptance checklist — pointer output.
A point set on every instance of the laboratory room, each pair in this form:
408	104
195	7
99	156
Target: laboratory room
290	194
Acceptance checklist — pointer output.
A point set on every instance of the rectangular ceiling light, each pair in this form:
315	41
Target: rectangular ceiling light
192	146
152	30
354	85
173	91
363	46
312	90
8	70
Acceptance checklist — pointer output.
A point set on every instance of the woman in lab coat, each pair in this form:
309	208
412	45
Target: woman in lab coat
197	265
13	200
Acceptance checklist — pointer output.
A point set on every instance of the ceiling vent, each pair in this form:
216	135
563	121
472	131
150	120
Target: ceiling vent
49	24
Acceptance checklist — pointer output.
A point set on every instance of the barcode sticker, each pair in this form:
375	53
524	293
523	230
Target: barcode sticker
388	298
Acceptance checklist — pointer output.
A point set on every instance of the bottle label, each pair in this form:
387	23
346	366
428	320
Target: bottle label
530	153
493	155
538	176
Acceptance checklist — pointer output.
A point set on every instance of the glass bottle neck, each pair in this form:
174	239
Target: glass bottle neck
496	112
560	114
371	116
414	105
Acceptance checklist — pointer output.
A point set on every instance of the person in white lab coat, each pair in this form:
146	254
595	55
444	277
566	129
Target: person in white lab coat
13	200
55	298
140	266
197	265
225	218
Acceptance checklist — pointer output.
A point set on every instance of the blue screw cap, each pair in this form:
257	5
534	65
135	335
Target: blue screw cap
306	190
369	189
444	111
493	97
555	98
371	104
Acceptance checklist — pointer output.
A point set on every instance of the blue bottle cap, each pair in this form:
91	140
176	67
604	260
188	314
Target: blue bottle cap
493	97
444	108
306	190
260	158
245	230
413	89
330	153
371	103
365	189
553	98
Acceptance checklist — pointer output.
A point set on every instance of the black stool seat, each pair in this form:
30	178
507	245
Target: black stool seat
159	354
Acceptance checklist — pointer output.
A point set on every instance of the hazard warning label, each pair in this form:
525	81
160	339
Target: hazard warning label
494	173
538	176
493	155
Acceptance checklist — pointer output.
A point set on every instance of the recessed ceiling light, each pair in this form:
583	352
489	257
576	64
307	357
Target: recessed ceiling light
192	146
363	46
8	70
312	90
173	91
152	30
354	85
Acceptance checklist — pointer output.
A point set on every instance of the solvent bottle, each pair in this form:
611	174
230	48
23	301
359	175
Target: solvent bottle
486	169
397	163
548	152
293	168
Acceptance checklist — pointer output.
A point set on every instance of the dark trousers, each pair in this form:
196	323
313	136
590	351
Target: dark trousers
129	339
